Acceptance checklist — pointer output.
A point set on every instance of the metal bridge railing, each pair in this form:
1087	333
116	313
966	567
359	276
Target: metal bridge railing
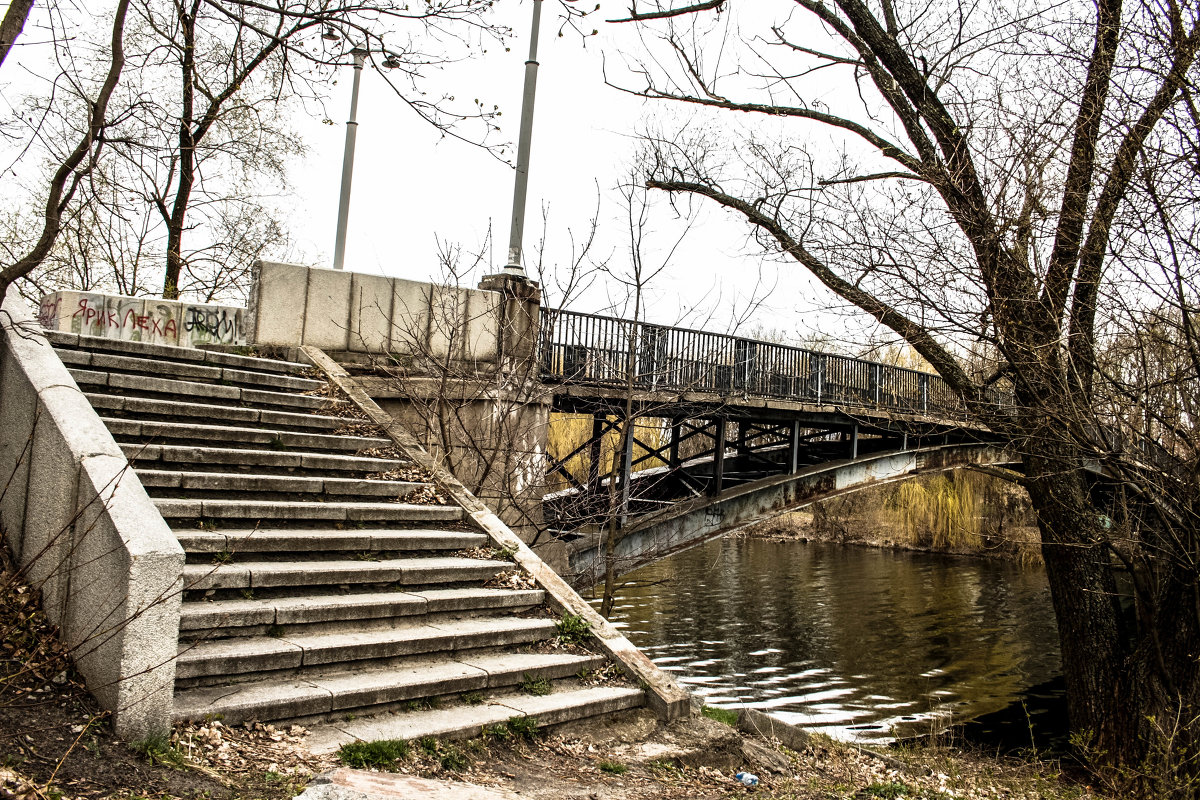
591	349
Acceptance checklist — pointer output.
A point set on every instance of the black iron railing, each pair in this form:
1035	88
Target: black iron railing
597	350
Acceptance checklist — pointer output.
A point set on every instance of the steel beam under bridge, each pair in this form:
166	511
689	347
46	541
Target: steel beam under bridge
687	523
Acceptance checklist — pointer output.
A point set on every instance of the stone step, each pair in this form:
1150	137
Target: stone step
199	616
168	353
266	540
320	695
464	722
186	370
237	656
404	571
234	483
229	434
192	390
182	410
196	457
192	508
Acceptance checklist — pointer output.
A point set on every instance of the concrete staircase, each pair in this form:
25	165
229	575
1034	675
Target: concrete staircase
323	581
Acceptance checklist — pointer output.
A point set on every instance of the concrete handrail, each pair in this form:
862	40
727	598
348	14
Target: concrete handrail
83	530
664	695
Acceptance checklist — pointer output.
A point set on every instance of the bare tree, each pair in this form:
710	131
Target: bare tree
74	167
1005	178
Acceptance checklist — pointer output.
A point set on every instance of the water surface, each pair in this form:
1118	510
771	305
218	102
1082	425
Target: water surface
860	643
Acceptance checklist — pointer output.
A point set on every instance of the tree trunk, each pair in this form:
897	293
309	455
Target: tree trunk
1132	677
13	24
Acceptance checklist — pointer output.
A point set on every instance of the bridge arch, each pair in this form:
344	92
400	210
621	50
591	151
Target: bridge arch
688	523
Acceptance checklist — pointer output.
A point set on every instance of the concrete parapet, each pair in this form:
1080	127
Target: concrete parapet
142	319
292	305
85	533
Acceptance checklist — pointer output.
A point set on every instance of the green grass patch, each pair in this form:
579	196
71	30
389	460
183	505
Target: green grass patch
453	759
887	791
523	727
381	754
499	731
723	715
612	767
531	684
572	629
157	749
473	698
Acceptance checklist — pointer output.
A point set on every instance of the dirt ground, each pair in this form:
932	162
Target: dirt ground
630	756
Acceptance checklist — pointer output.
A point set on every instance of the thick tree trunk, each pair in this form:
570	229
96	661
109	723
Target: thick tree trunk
1132	674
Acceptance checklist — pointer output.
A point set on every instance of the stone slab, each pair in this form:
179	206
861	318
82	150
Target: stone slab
327	309
354	784
462	722
412	680
249	701
277	298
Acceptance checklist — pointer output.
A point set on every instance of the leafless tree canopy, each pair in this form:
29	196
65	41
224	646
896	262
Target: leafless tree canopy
196	138
1011	187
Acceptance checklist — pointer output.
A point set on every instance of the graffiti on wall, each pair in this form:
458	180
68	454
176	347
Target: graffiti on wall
142	319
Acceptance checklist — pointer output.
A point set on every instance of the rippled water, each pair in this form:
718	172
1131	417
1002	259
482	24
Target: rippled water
858	642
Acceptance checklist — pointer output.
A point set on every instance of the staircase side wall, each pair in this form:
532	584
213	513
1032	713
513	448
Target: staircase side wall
83	530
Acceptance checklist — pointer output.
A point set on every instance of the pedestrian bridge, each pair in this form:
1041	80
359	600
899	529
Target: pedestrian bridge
728	431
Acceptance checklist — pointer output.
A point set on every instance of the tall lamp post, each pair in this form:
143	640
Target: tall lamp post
521	185
339	246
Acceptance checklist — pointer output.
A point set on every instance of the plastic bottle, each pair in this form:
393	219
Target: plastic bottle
747	778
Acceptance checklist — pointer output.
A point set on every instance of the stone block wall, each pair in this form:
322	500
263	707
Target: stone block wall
143	319
81	526
341	311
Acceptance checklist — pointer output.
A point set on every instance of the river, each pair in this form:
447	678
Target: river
859	643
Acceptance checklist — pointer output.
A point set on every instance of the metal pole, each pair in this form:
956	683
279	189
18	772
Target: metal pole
521	186
339	246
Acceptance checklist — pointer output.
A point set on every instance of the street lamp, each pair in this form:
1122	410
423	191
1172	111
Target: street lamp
521	184
339	246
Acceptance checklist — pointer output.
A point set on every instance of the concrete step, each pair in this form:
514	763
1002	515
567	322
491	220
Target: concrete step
267	540
172	410
193	390
404	571
238	656
464	722
235	435
99	344
283	699
227	615
190	508
186	370
155	455
233	483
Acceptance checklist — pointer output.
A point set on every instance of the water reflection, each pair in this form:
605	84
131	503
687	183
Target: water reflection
858	642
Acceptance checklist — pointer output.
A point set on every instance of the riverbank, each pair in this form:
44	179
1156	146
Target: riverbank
628	757
998	525
863	531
